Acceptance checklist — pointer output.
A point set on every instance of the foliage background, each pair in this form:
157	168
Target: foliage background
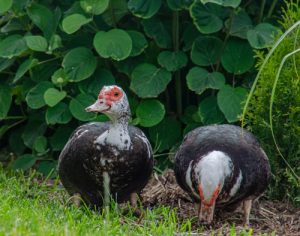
183	64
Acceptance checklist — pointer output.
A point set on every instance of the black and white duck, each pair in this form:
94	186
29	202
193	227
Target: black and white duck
222	166
105	160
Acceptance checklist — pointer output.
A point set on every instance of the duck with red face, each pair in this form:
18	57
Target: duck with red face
104	160
221	166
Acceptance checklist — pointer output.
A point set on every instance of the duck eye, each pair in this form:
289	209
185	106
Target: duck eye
116	94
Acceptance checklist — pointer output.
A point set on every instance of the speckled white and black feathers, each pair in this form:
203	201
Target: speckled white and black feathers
225	155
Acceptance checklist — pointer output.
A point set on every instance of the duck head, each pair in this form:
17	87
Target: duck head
111	101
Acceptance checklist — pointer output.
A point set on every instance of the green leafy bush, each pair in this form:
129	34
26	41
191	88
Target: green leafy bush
182	63
273	112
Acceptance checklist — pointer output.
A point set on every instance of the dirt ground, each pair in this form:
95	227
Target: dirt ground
266	216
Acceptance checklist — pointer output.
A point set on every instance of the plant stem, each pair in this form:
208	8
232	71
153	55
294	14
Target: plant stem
175	31
272	7
262	8
15	117
112	14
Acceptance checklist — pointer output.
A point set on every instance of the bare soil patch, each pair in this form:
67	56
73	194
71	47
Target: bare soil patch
266	216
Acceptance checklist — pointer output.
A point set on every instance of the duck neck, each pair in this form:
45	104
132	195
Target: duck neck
117	134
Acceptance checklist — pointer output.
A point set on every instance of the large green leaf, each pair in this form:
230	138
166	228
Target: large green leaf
24	162
144	8
35	96
6	63
13	45
262	36
5	5
139	42
155	28
166	134
230	102
198	80
240	24
59	77
115	43
94	7
206	51
225	3
177	5
53	96
209	111
79	64
149	81
100	78
5	100
77	107
172	61
43	18
238	57
206	17
24	67
36	43
73	22
150	112
59	114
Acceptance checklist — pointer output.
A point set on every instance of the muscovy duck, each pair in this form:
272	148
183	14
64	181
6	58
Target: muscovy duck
223	166
104	160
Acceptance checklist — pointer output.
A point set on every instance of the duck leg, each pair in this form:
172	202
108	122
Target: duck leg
76	199
247	208
133	200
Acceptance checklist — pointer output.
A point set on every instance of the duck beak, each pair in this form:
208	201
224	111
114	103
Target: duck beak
98	106
206	214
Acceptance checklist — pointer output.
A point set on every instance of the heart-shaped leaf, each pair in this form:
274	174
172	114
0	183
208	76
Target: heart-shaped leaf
209	111
35	96
154	28
40	144
139	43
73	22
150	112
149	81
144	8
172	61
230	102
240	24
199	80
5	100
36	43
34	128
13	45
95	7
24	162
77	107
5	5
43	18
206	17
206	51
115	43
79	64
119	8
225	3
24	67
53	96
59	114
166	134
262	36
238	57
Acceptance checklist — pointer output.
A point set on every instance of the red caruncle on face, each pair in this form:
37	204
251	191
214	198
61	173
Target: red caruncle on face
111	95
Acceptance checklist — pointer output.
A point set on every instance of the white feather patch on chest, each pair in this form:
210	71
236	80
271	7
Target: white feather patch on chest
116	136
211	171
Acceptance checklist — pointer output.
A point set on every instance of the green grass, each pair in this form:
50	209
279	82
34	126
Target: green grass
28	206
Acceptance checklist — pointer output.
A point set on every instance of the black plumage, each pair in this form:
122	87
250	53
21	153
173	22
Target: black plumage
246	159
